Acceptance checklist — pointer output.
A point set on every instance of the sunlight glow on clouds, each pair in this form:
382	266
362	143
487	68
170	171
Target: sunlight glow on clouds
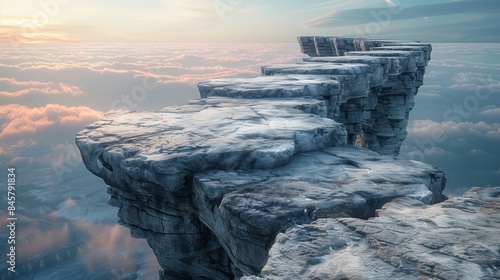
56	21
27	87
18	120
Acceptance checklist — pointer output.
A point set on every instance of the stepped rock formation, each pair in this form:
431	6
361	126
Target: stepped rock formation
280	176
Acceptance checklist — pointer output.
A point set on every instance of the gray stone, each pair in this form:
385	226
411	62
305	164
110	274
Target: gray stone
324	46
326	249
409	60
148	159
424	57
427	47
163	147
219	185
356	78
390	64
456	239
245	210
391	82
307	45
338	46
286	86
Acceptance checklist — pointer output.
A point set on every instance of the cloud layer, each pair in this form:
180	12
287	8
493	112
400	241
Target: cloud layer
17	88
456	120
18	122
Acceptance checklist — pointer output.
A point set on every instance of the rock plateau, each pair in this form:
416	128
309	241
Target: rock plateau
295	175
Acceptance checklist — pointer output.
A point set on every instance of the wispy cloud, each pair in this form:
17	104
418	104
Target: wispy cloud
348	17
18	88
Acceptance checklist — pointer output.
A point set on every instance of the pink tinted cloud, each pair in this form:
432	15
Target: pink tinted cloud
193	78
21	120
26	87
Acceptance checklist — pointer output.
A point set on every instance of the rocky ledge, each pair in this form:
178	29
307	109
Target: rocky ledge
456	239
294	175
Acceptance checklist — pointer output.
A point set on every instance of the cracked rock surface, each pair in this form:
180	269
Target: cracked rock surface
245	210
295	175
455	239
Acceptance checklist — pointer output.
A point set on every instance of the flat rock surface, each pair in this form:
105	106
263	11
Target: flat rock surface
390	64
271	87
456	239
409	60
246	210
326	249
317	69
162	148
354	77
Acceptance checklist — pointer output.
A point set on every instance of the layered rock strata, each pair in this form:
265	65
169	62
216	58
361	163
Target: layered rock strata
388	105
246	210
148	159
220	184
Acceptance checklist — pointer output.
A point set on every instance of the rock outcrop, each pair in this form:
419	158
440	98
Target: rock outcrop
456	239
286	163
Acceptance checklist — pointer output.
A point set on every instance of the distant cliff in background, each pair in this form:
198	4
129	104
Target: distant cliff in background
279	176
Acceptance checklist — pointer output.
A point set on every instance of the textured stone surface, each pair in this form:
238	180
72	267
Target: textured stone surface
338	46
456	239
343	104
261	168
390	65
272	87
377	119
148	159
246	210
163	147
409	60
356	78
326	249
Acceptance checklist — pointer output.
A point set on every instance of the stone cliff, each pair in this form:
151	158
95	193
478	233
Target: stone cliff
281	176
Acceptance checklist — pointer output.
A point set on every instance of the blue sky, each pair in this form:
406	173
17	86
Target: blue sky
203	21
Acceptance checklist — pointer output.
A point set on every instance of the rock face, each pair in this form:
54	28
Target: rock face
247	209
456	239
388	102
269	167
148	159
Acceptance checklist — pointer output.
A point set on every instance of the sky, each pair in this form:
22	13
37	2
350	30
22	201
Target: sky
221	21
49	92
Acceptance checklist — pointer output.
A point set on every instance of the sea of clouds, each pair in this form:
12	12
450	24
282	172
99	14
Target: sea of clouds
50	92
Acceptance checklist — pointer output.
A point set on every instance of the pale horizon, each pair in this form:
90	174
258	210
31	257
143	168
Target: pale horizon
241	21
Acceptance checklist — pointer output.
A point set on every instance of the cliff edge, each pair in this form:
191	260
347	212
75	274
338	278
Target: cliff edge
295	175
